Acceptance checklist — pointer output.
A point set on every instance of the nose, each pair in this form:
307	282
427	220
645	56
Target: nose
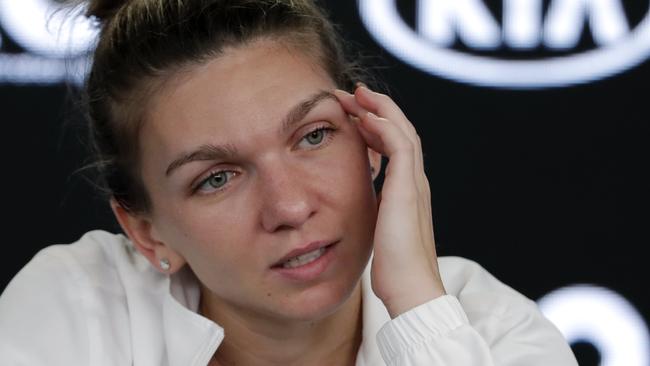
287	201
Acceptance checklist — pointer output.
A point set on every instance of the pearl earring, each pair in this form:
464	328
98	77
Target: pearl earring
165	265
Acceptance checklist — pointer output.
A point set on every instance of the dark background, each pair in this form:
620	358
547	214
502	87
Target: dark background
544	188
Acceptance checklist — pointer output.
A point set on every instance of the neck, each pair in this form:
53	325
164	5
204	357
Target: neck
252	340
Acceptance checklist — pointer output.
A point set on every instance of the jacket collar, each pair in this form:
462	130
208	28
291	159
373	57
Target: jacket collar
192	339
374	317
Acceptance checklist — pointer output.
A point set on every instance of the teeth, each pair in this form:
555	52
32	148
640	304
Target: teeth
301	260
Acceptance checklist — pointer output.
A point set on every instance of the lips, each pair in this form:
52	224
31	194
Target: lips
308	264
304	259
301	251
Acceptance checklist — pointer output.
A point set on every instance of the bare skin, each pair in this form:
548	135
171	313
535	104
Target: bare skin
257	349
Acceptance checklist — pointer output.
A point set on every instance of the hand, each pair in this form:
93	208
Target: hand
404	267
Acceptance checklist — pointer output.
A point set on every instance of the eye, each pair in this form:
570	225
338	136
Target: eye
317	137
215	181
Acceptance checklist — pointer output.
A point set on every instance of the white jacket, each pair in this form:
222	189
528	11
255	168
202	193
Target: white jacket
98	302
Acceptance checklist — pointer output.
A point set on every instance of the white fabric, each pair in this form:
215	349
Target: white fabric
98	302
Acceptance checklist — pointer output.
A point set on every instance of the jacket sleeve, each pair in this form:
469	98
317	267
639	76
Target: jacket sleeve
480	322
41	316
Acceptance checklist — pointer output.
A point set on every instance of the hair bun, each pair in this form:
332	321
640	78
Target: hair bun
104	9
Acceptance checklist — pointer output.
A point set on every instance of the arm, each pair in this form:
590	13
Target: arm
430	327
483	322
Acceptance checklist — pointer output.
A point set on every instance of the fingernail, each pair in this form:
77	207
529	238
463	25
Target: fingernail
360	84
341	93
372	115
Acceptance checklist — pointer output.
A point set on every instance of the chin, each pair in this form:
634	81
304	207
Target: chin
320	301
329	294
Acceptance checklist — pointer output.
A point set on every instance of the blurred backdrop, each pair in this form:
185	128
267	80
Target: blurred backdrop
534	121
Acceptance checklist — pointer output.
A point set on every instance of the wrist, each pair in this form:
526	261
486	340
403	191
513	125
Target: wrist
415	296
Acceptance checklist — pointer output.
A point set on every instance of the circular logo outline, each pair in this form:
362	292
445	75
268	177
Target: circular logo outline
383	22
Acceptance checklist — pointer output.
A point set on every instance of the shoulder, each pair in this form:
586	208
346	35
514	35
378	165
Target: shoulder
58	299
95	253
88	262
93	246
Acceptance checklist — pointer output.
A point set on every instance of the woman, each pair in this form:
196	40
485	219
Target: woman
242	176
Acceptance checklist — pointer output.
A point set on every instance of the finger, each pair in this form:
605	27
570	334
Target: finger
351	107
383	106
390	141
383	136
372	140
377	126
380	134
349	103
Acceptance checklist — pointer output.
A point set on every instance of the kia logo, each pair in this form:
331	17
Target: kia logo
524	26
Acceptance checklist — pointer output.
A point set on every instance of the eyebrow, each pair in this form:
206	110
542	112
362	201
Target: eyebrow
228	151
300	111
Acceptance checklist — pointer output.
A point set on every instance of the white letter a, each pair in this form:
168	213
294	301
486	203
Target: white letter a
565	22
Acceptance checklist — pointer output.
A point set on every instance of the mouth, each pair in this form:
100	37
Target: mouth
301	260
306	263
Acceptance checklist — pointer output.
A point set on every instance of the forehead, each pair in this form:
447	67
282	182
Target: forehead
245	90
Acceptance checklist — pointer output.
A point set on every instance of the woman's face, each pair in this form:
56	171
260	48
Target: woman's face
248	158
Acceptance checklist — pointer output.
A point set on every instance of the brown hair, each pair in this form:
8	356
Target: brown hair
143	42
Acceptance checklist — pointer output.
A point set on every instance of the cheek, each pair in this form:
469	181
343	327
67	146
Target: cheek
214	251
203	234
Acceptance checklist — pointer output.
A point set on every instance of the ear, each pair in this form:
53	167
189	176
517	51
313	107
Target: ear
375	162
140	230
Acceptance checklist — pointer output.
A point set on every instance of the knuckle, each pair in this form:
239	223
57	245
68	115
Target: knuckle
413	131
